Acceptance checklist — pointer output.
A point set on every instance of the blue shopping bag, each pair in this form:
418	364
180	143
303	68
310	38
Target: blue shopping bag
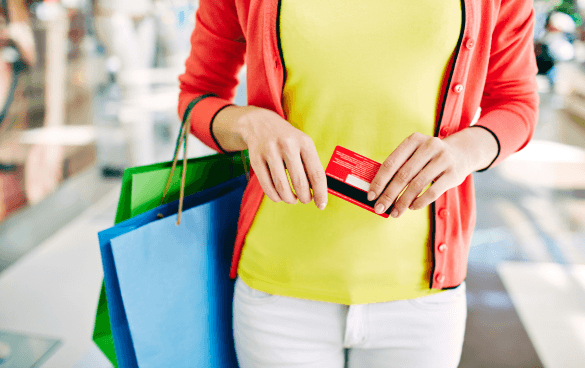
168	286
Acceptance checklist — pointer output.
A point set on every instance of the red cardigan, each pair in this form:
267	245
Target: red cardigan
493	68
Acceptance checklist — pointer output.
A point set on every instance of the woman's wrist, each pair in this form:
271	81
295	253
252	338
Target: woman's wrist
477	147
230	126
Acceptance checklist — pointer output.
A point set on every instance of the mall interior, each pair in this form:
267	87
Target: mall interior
89	88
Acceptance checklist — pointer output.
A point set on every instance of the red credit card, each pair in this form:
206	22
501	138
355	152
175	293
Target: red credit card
349	176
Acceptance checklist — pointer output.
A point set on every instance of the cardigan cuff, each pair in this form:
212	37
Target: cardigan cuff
202	117
211	130
497	141
510	131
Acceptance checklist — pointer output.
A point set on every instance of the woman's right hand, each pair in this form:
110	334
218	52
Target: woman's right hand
274	145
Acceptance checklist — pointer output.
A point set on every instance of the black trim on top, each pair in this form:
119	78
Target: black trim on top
457	52
438	128
211	129
279	43
497	141
451	287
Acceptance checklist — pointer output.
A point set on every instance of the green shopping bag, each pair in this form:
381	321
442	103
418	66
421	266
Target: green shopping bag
142	190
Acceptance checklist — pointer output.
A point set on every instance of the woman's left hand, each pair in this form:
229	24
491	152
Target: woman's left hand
421	160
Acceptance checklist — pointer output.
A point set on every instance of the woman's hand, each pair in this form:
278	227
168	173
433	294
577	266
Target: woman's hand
421	160
274	145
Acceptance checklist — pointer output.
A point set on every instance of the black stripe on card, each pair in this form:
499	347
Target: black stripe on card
352	192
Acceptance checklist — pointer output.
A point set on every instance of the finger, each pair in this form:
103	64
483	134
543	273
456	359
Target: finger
315	174
417	185
422	156
298	177
260	168
391	165
280	180
440	186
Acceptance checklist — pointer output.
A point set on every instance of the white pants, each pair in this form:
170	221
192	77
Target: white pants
273	331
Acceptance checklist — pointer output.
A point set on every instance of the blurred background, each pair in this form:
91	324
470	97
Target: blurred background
90	87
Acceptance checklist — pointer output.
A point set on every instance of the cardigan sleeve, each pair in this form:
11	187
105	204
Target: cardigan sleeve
510	99
217	54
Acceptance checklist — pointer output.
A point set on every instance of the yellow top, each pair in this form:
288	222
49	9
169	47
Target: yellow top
364	75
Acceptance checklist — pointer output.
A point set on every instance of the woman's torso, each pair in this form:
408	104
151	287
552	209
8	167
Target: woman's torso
363	75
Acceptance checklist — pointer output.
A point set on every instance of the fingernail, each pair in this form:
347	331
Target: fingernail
394	213
371	196
379	208
322	206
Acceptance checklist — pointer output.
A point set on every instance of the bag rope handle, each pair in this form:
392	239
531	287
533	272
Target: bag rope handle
183	138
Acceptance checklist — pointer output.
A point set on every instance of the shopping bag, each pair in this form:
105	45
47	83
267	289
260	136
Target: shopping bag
102	330
141	190
168	286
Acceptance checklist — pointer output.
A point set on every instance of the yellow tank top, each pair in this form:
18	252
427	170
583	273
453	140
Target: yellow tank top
364	75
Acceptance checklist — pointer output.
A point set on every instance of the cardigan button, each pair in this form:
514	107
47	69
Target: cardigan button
443	213
458	88
470	43
442	248
440	278
444	132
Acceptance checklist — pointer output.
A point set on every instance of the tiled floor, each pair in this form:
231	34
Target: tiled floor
550	299
53	290
525	276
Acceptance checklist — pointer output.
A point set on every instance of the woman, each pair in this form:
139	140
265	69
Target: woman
399	83
17	51
17	47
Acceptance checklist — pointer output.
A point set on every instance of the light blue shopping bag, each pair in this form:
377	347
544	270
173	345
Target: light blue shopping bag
168	285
